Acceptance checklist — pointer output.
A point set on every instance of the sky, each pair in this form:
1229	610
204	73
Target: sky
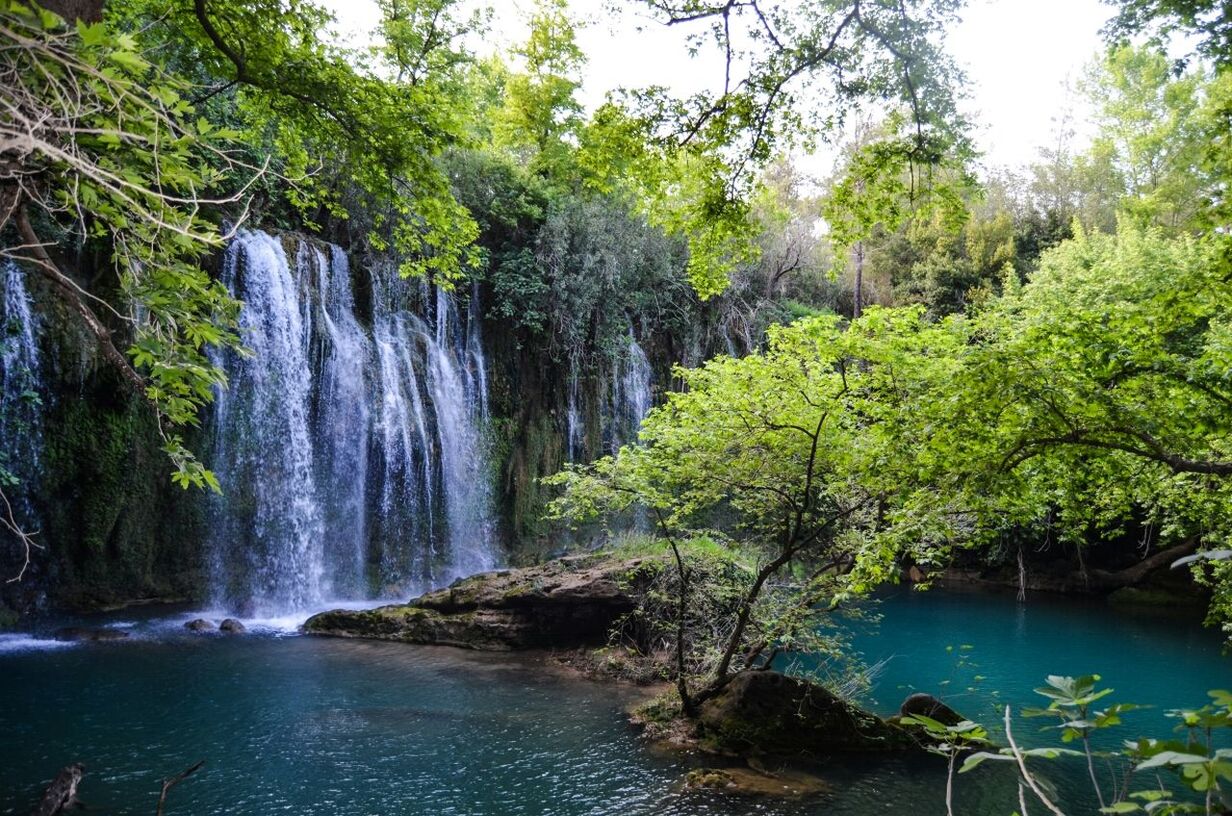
1019	57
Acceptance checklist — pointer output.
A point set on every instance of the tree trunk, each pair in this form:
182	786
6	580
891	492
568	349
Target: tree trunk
1103	580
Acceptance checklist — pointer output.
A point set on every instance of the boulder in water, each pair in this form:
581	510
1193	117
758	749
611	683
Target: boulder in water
89	633
246	608
756	782
566	603
768	713
61	794
929	706
232	626
199	625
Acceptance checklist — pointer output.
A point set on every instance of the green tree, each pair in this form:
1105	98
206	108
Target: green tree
101	144
1151	132
773	452
540	111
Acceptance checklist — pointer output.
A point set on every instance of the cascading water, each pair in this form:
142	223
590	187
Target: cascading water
269	535
343	420
459	396
575	430
351	457
21	388
631	396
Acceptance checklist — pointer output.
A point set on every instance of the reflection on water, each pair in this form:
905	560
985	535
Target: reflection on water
316	726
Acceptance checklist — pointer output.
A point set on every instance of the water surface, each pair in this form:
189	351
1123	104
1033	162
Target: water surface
303	725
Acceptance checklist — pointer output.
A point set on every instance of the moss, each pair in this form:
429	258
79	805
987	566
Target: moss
660	710
8	618
119	530
770	713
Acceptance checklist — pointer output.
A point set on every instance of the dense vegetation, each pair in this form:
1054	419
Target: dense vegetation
921	363
1047	361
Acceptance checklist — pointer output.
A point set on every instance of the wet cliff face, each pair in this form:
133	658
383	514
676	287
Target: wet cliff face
90	476
384	437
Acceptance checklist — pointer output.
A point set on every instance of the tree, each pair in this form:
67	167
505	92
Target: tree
794	68
1208	20
1150	131
540	110
334	121
99	143
771	451
881	188
1089	399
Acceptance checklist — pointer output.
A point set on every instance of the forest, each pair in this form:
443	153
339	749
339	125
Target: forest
709	422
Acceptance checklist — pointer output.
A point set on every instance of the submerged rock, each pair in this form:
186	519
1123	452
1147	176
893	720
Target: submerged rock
89	633
199	625
61	794
756	782
562	604
232	626
930	707
764	712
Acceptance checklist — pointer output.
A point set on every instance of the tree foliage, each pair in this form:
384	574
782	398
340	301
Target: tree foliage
100	143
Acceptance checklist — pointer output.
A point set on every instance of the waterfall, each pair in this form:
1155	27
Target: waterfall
575	430
343	420
21	388
268	528
631	395
350	451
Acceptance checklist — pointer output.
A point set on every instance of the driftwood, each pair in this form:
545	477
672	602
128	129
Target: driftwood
171	781
61	794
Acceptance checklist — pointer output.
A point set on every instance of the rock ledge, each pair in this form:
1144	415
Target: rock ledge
563	604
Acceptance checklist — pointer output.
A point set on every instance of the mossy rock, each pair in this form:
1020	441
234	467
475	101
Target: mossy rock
567	603
767	713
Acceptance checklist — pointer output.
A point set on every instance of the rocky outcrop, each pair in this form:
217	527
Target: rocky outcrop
764	712
61	794
929	706
199	625
563	604
232	626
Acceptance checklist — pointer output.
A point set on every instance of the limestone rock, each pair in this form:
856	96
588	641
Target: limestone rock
763	712
566	603
931	707
756	782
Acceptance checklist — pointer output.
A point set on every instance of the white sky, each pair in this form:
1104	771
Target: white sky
1018	55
